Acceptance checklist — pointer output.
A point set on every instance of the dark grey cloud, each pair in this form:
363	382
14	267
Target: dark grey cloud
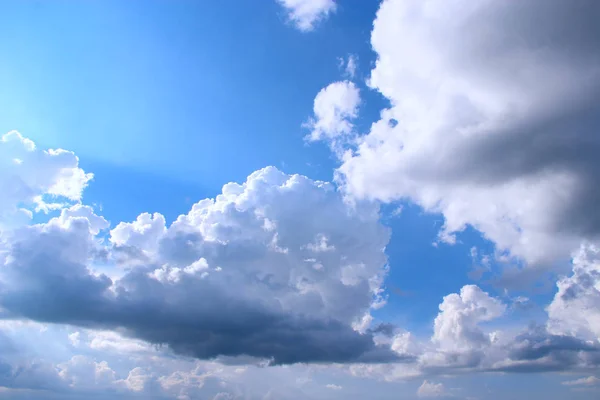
537	350
384	328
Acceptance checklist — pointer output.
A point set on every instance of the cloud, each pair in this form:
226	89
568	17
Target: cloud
85	373
493	120
456	326
227	279
540	351
575	309
349	65
333	387
589	381
335	108
431	389
29	176
31	375
463	344
305	14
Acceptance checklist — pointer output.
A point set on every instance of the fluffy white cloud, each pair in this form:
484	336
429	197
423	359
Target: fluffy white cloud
335	108
305	14
457	324
493	120
575	309
28	176
112	342
143	233
430	389
83	372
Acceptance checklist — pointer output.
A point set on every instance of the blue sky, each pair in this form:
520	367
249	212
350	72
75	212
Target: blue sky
446	202
178	70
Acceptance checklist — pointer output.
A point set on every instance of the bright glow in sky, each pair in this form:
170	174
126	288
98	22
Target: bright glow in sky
300	199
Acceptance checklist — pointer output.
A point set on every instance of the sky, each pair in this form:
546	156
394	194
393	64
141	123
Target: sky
299	199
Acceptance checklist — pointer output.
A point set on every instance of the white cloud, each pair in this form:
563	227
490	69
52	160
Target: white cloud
112	342
320	245
333	386
305	14
575	309
349	65
431	389
335	108
589	381
138	380
143	233
491	125
28	175
82	372
75	338
457	324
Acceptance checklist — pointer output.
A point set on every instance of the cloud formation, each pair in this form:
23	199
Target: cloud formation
588	381
457	325
335	108
30	177
575	309
431	389
493	123
278	268
282	269
305	14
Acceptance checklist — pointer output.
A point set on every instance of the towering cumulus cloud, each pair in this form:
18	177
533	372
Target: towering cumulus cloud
494	120
277	268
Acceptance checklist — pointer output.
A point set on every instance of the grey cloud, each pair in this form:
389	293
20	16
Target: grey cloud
537	350
566	141
229	279
535	345
385	328
30	375
497	104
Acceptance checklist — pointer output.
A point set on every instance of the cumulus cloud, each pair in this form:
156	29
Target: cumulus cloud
575	309
85	373
29	177
305	14
335	108
431	389
493	122
229	278
464	343
457	324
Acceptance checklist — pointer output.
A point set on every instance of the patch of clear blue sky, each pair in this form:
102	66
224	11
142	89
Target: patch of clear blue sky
201	91
165	101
